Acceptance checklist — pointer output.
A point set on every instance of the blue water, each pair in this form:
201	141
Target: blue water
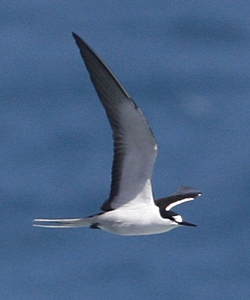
187	65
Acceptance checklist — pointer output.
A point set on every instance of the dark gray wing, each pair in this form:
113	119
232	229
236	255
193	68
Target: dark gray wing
135	148
183	194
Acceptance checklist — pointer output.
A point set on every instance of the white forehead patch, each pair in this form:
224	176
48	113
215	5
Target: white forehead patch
178	218
178	203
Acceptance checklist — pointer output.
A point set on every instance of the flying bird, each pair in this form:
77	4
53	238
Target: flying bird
131	208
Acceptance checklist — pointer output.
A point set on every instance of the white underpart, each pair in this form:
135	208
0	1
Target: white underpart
135	221
126	220
130	209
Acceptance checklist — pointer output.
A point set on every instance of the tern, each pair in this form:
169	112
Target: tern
131	208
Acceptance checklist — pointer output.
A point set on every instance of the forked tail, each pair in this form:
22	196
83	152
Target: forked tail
62	223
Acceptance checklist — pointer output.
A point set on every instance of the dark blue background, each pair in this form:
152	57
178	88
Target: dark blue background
187	65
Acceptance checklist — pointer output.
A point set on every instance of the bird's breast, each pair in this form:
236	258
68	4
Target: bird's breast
134	222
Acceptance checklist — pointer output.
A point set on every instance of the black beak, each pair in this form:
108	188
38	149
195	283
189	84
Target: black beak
187	224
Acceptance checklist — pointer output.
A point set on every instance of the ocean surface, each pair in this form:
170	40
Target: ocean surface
187	66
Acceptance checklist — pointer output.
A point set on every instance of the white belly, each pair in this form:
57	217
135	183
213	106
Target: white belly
134	222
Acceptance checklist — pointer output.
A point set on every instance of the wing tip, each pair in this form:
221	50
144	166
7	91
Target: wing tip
75	36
